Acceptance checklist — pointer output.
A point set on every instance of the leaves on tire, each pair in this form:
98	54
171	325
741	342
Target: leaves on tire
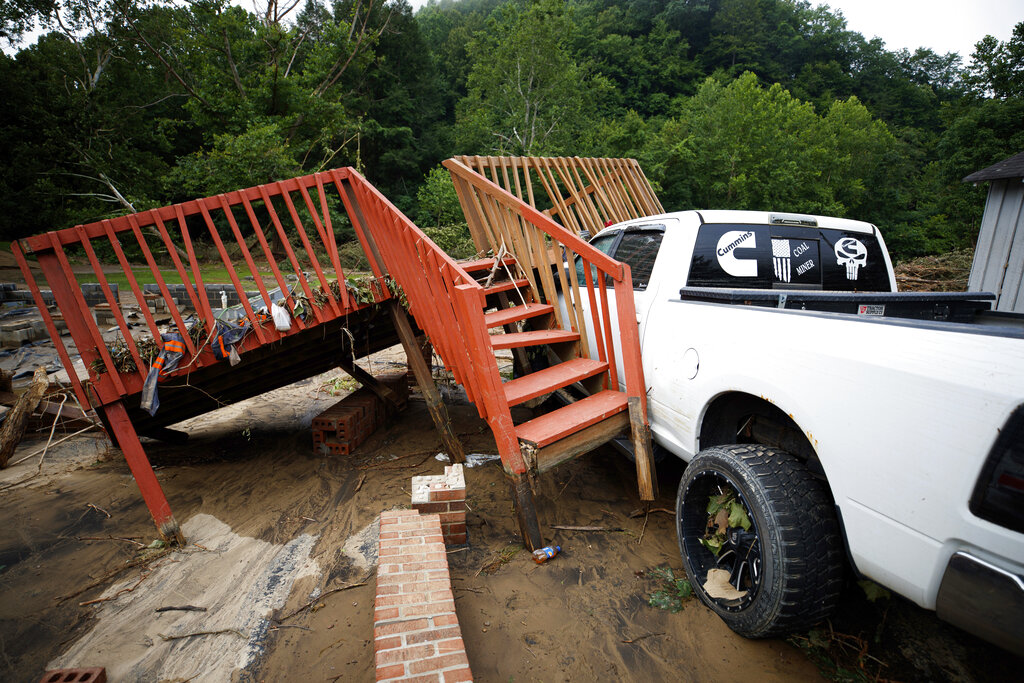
724	512
718	587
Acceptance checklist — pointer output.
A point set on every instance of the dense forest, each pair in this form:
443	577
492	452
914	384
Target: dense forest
755	104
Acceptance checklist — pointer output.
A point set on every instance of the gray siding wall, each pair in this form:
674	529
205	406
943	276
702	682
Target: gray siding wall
999	256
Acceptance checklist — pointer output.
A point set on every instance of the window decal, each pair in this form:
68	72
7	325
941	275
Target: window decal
726	250
851	253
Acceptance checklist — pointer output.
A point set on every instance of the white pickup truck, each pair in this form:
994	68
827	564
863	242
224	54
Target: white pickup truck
832	418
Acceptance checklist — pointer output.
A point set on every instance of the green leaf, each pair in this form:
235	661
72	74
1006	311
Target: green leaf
738	516
714	544
873	591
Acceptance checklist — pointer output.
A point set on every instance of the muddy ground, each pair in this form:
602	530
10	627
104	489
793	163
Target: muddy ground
274	528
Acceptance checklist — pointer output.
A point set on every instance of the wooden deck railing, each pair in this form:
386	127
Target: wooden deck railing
546	254
580	193
301	211
448	304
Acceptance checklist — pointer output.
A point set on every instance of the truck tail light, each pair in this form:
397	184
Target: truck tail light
999	494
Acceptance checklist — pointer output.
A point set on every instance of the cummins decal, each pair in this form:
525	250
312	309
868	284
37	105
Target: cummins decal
728	243
781	260
851	253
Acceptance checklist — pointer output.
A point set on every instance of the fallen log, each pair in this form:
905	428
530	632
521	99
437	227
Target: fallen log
14	426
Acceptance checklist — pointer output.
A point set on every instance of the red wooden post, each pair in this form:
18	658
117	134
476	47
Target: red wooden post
159	508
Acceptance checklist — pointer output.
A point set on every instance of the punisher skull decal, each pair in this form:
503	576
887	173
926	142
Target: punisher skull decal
851	253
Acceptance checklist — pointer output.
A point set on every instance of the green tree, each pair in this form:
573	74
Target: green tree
526	94
998	67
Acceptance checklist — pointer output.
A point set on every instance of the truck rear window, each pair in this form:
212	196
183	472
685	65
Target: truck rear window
787	257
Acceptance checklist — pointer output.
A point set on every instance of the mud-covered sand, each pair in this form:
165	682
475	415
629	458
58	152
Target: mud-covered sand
278	528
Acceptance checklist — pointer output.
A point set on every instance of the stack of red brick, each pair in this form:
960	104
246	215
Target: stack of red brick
340	429
416	631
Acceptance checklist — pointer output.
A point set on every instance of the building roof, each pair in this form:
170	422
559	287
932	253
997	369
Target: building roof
1007	168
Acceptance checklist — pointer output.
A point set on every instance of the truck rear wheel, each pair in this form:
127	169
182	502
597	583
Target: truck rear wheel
784	571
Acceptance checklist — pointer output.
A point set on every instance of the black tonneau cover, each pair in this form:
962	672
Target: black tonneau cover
948	306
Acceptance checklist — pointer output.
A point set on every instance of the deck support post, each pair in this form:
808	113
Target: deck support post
431	395
526	511
646	476
142	470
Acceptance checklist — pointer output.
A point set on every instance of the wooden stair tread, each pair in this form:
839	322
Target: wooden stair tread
506	316
477	265
547	380
506	285
515	340
546	429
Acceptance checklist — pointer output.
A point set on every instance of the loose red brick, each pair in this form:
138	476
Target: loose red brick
387	643
451	518
387	613
435	634
407	654
454	645
446	619
447	494
393	671
426	609
424	586
405	599
436	596
435	663
418	566
431	507
400	627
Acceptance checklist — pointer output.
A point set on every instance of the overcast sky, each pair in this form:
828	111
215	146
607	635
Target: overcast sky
942	25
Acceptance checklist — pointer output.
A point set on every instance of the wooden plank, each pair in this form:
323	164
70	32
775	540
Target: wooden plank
506	316
579	443
643	452
14	426
532	338
506	286
426	382
544	430
547	380
152	494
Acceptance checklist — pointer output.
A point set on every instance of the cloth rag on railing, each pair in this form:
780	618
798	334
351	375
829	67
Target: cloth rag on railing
226	337
164	364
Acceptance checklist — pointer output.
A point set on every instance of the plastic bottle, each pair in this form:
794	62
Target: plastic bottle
542	555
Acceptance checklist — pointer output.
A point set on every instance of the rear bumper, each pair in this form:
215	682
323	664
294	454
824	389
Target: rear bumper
983	599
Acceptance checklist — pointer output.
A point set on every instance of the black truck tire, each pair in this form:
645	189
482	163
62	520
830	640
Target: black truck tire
789	563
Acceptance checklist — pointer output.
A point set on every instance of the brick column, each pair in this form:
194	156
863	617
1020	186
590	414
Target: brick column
445	495
416	631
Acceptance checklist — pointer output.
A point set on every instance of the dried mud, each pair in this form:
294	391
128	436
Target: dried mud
581	617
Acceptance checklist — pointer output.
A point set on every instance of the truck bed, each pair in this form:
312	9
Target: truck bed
959	307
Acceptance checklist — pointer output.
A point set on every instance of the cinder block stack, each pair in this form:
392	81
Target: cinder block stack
340	429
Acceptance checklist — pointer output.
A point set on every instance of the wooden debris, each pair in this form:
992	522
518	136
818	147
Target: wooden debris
587	528
640	513
183	608
639	638
14	426
98	509
204	633
318	599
